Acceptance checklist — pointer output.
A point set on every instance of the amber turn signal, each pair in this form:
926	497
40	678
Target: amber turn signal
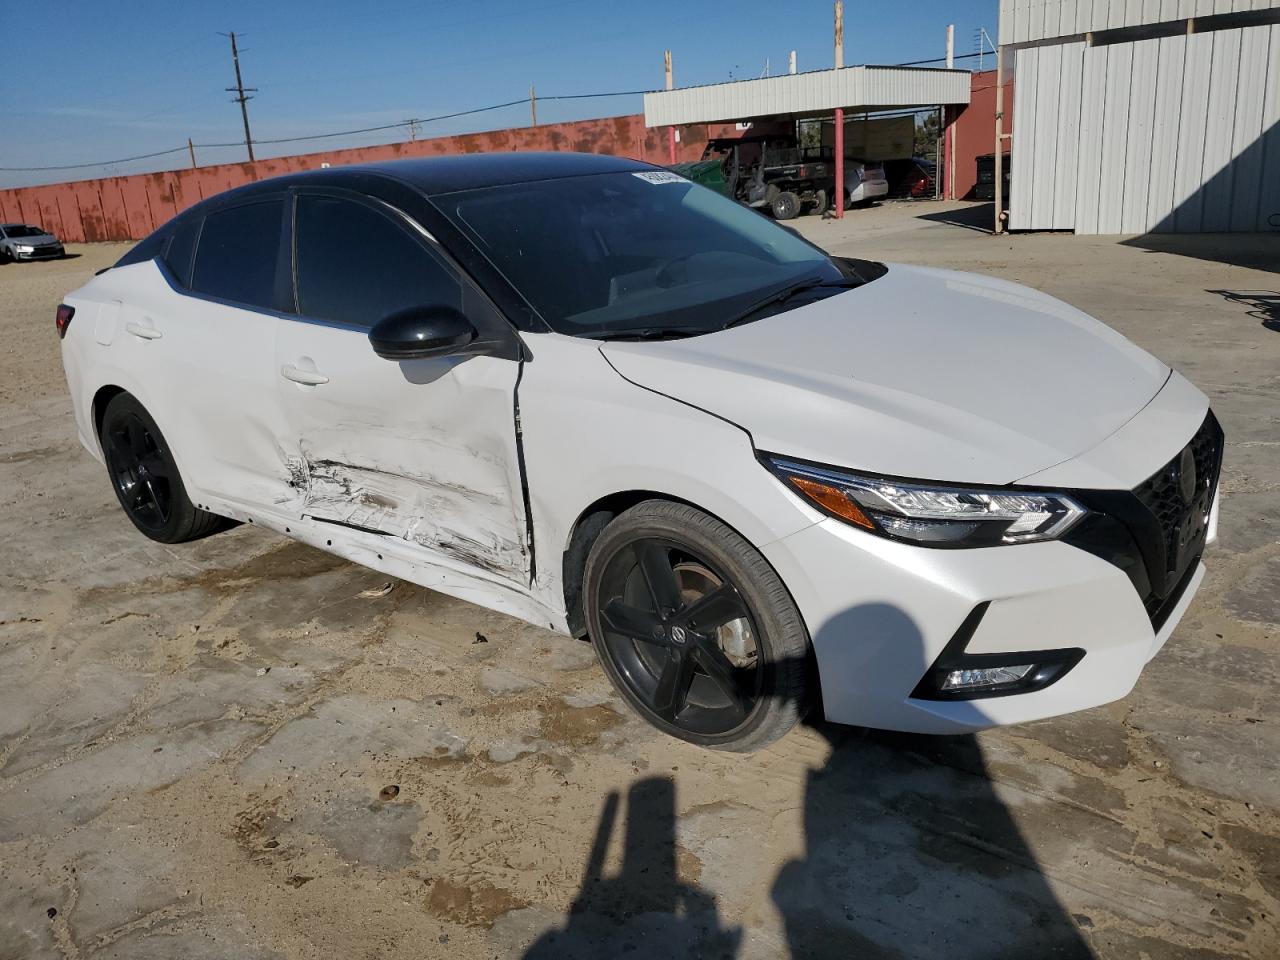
832	499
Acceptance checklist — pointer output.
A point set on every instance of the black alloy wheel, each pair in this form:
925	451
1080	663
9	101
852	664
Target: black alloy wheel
694	629
145	475
681	636
141	472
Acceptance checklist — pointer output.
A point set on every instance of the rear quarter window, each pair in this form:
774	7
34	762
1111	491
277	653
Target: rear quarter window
237	256
181	251
146	249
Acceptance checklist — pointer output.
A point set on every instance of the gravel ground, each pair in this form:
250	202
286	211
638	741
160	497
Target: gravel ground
244	748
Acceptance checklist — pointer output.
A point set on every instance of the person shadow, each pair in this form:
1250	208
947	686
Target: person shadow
909	852
645	909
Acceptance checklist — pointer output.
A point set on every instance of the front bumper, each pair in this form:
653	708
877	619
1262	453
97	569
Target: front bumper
880	613
41	253
884	615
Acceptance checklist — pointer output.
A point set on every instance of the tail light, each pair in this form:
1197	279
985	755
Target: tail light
63	319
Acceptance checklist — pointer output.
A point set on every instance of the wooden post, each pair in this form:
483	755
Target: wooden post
838	199
191	149
671	131
998	227
533	104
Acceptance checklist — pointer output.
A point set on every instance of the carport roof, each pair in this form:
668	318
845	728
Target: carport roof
865	88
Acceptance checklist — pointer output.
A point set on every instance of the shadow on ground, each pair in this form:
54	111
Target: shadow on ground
908	852
975	216
890	870
1263	304
1256	251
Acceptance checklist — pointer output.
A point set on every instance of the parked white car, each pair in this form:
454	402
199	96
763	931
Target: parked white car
25	241
588	393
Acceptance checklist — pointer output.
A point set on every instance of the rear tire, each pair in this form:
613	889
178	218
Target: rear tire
785	206
145	476
695	630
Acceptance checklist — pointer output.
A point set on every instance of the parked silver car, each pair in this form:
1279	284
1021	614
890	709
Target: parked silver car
22	241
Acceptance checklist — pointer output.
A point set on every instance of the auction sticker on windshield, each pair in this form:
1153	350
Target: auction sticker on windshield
660	176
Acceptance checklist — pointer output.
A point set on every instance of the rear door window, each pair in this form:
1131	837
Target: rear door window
238	253
356	265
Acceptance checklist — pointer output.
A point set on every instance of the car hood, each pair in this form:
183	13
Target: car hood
40	240
923	373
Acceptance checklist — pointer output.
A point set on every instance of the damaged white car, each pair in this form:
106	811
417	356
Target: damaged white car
583	391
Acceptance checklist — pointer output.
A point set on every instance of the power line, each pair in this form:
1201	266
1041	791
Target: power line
323	136
918	63
97	163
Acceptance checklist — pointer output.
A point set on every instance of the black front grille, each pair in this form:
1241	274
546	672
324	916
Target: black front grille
1156	532
1164	493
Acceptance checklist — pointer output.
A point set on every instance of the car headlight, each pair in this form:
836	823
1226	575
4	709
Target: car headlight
933	515
25	248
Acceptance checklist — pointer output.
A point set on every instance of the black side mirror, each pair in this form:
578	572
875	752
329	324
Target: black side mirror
420	332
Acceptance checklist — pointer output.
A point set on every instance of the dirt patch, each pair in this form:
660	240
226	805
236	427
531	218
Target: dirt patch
575	726
476	904
254	824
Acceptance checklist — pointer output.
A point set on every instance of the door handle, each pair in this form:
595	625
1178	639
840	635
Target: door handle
143	332
311	378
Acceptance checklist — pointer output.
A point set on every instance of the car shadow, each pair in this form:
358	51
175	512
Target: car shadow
1262	304
908	851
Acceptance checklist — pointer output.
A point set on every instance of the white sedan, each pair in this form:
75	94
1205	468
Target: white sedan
588	393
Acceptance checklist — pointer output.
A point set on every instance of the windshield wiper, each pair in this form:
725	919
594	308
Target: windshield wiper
789	291
648	333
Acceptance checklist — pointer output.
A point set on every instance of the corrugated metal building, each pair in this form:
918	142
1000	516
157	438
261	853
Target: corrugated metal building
1138	116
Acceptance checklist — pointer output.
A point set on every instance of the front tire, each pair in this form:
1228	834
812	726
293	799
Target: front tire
145	476
695	630
785	206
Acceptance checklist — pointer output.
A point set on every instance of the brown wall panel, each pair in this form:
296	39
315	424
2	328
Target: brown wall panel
128	208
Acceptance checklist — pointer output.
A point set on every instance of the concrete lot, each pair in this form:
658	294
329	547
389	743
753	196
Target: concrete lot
244	748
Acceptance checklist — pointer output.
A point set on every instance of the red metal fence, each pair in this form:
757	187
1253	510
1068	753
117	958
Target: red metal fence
129	208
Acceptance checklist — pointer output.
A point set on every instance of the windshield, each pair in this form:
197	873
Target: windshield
607	253
22	230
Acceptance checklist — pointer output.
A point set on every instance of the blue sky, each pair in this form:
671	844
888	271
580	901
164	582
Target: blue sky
110	80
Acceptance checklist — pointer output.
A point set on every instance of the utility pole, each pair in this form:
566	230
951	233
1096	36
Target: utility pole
413	129
948	133
671	131
533	104
998	226
191	148
838	199
241	94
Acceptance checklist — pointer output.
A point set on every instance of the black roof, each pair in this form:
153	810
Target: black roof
402	180
437	175
469	171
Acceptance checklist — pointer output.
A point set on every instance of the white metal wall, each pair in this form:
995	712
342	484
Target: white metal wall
1175	134
1025	21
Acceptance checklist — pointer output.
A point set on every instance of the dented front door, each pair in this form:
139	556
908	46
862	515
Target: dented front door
422	451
